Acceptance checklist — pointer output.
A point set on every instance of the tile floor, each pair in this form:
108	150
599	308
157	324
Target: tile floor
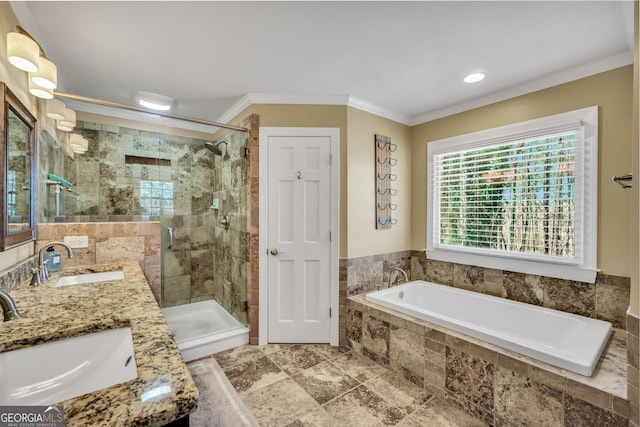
311	385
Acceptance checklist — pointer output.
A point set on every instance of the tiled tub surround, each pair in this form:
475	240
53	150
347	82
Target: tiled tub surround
50	314
495	385
110	242
561	339
607	299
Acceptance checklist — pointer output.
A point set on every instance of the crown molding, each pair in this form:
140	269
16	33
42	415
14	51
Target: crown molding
565	76
308	99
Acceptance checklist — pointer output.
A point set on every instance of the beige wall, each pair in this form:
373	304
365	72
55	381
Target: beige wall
612	92
363	238
358	235
334	116
635	211
16	80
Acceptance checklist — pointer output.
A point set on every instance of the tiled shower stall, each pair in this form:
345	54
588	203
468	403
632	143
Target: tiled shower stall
132	176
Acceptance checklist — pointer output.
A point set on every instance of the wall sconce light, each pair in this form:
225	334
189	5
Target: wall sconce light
47	74
55	109
69	122
24	53
78	143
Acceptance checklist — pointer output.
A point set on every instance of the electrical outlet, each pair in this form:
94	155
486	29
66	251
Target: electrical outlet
77	241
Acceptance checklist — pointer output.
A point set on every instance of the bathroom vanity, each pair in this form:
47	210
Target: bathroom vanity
162	393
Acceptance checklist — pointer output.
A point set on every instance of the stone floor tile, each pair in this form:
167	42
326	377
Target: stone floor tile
324	382
358	366
316	418
296	358
398	391
362	407
237	355
439	413
254	374
329	351
218	402
280	403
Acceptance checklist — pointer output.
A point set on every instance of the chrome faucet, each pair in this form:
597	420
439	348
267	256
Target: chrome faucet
41	273
9	309
406	278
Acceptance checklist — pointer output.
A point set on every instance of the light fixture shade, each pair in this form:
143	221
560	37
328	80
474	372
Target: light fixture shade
64	127
69	118
78	141
47	74
69	122
474	78
55	109
23	52
40	92
154	101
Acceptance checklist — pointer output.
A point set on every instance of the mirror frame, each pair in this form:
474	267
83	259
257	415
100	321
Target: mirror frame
11	101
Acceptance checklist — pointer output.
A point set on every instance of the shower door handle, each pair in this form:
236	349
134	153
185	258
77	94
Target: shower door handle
170	237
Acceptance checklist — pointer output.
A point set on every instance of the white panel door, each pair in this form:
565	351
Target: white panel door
299	246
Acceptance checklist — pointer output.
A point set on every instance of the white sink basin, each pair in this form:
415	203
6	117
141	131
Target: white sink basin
89	278
49	373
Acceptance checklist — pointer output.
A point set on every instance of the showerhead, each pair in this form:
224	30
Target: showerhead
214	147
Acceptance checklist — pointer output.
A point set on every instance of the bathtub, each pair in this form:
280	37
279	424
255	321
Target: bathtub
561	339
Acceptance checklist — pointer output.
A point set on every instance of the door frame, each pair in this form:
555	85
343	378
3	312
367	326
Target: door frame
263	232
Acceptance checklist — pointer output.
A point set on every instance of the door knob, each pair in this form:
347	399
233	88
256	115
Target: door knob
275	252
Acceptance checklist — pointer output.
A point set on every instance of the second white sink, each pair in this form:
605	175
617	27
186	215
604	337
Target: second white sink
51	372
89	278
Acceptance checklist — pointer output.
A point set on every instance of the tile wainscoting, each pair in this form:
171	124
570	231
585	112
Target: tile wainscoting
633	378
110	242
607	299
13	276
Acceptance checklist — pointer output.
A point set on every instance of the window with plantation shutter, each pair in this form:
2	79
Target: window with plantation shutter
519	198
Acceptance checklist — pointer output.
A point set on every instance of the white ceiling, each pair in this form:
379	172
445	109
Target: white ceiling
405	60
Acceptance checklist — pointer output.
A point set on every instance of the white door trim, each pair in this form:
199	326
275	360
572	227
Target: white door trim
265	133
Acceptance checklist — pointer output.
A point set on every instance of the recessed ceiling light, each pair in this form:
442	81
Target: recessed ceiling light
154	101
474	77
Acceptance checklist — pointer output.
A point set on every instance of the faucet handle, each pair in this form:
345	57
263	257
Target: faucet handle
36	280
45	269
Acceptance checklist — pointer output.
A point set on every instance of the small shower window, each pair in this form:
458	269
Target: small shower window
519	198
156	197
11	192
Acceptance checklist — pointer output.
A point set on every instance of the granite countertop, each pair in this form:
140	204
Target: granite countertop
49	314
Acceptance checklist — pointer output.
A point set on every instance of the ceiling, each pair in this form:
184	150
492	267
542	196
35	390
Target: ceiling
403	60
